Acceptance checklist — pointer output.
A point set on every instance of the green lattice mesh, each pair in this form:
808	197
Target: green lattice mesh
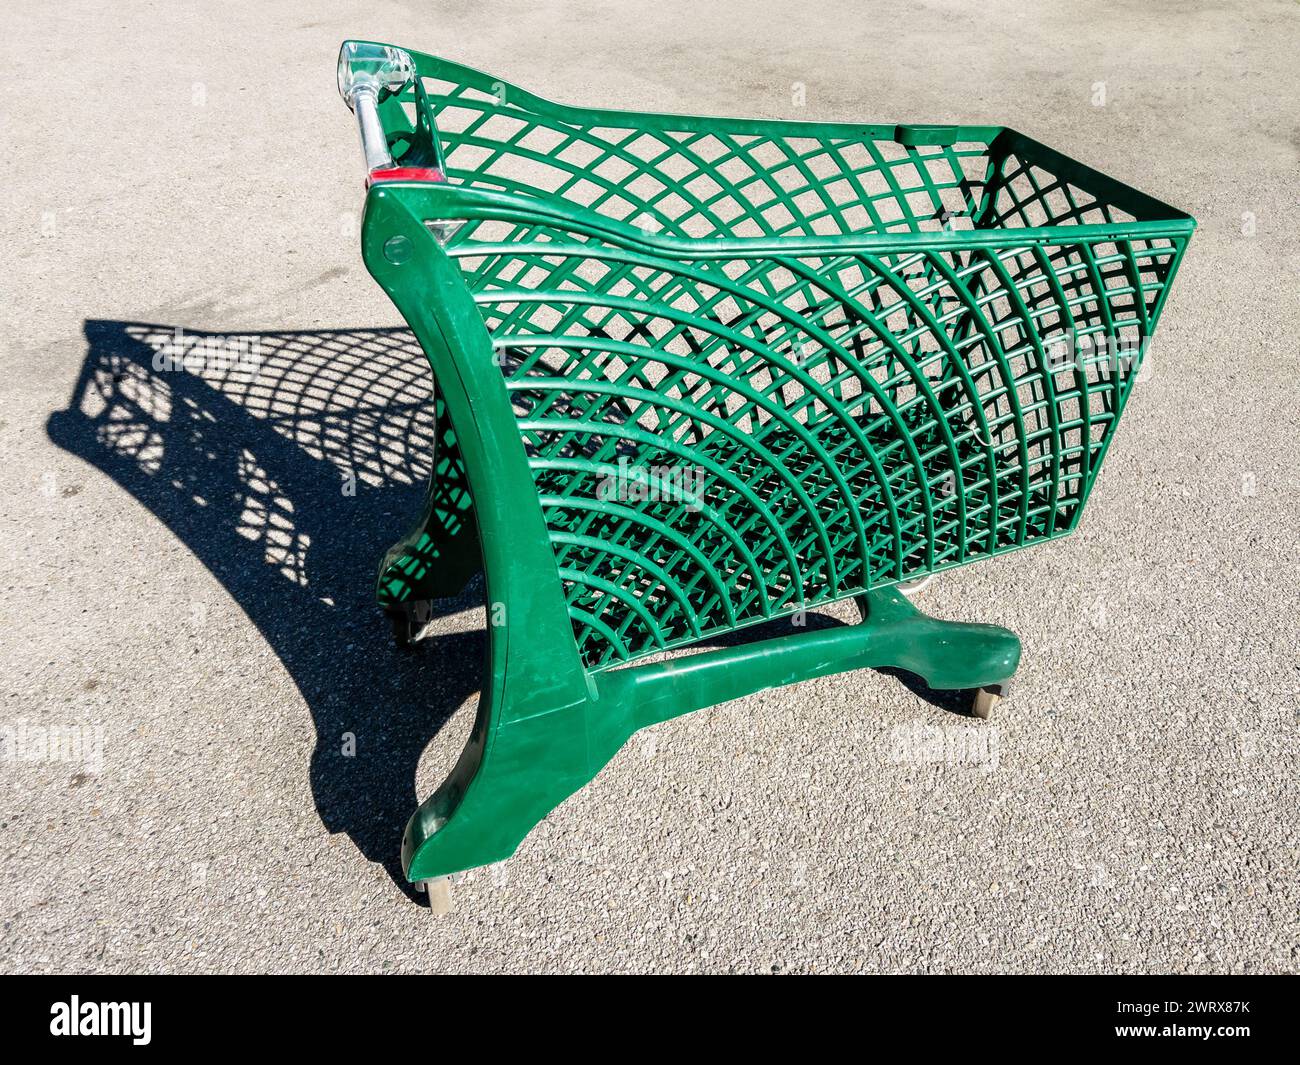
835	420
704	184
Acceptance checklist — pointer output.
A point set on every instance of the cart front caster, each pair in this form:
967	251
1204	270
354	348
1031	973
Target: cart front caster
985	699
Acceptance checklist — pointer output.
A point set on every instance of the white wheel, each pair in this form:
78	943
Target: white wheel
439	891
914	587
984	702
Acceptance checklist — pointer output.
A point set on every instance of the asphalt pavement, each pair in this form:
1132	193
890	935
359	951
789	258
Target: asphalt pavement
186	601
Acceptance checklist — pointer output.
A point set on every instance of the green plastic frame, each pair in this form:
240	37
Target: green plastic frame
911	319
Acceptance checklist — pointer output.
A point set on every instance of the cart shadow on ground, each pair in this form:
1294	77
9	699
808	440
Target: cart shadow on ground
287	462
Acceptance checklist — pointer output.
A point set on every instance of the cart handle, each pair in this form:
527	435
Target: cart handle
368	74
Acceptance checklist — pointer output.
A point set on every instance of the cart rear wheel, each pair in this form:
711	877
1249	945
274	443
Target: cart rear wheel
409	621
439	892
983	703
404	628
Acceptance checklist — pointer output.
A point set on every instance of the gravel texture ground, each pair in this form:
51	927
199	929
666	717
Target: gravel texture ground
187	577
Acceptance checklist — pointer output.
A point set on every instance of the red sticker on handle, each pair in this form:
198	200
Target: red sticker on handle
405	173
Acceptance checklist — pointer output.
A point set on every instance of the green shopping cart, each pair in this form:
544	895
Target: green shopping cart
693	375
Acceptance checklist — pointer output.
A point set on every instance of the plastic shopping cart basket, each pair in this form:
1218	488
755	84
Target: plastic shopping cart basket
697	374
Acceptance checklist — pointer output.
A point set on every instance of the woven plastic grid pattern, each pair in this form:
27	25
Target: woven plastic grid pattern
705	184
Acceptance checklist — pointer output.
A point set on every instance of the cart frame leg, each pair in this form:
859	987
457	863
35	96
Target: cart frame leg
510	777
